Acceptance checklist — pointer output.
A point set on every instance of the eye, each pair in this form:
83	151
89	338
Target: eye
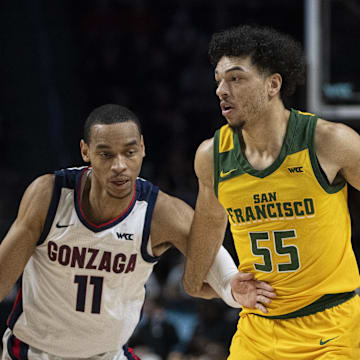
105	155
131	152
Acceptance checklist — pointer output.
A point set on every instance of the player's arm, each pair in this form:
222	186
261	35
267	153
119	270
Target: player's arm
20	241
209	222
337	147
170	226
203	258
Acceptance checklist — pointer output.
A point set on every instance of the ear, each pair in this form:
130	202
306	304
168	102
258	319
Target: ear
84	148
142	145
275	82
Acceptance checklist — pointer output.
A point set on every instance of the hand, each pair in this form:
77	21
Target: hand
251	293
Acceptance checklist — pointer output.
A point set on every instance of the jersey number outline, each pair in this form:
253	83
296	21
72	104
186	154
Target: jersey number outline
82	281
280	248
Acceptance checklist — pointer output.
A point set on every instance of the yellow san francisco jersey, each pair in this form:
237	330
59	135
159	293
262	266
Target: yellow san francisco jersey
290	227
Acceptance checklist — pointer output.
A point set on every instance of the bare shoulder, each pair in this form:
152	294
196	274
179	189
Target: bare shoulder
36	199
337	147
41	188
335	140
204	161
164	204
332	131
206	148
170	223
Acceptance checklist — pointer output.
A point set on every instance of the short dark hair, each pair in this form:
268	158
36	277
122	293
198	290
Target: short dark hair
109	114
270	51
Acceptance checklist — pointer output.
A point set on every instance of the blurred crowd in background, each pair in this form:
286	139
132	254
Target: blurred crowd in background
61	59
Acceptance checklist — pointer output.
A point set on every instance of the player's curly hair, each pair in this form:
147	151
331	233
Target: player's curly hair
271	51
109	114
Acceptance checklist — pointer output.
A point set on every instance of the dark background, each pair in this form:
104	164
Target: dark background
61	59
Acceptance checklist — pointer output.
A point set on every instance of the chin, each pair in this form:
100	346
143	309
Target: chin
235	123
121	194
236	126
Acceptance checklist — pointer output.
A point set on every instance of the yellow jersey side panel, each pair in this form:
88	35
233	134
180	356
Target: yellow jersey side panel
226	136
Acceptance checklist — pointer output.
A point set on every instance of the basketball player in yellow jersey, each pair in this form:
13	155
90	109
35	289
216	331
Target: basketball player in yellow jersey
279	176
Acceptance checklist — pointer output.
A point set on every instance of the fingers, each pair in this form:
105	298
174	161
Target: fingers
263	299
264	285
269	294
261	307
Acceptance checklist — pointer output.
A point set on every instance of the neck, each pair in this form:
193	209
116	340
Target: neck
266	133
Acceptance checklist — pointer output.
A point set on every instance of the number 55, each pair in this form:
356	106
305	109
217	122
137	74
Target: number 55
280	248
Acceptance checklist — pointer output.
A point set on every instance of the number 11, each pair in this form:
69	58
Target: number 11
97	282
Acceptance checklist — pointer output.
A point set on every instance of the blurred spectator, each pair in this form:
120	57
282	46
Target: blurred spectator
181	308
155	332
214	330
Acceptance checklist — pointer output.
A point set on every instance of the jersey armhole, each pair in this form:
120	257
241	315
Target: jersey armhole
318	171
52	208
147	225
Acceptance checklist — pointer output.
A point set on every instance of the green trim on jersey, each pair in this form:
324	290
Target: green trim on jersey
325	302
286	148
321	178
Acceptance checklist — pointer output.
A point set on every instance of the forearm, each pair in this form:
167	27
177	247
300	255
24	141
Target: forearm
208	225
202	248
221	272
8	277
12	262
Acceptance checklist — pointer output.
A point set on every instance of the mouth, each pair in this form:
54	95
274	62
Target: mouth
226	108
119	182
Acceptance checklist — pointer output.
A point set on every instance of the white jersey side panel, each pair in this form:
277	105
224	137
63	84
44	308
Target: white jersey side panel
84	287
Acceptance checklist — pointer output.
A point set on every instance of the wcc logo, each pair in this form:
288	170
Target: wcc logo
296	169
125	236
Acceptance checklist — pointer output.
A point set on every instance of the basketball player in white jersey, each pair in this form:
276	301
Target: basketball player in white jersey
85	242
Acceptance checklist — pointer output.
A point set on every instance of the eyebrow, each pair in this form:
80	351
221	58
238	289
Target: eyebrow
240	68
105	146
131	143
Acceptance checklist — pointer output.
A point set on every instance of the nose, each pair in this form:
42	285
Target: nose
119	164
222	90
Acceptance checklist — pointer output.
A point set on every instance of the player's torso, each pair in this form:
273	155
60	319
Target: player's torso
290	227
83	289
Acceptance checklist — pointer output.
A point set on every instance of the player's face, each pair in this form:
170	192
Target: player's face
116	153
241	88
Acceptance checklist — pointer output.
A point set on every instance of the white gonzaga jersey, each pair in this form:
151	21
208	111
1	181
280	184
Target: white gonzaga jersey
84	287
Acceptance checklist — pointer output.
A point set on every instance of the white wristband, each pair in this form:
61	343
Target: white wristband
220	274
228	298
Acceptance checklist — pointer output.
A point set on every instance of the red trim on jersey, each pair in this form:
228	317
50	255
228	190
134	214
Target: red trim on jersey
16	348
131	351
17	300
110	221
